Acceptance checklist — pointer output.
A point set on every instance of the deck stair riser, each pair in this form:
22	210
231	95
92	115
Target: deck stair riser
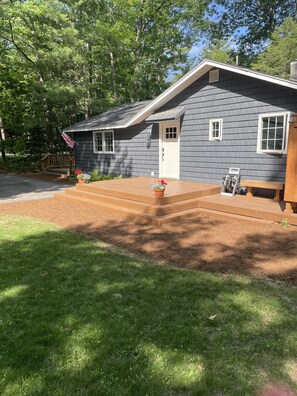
142	207
147	199
258	213
132	214
134	198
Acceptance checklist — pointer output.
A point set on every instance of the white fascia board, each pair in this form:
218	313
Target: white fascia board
95	129
171	92
187	80
195	74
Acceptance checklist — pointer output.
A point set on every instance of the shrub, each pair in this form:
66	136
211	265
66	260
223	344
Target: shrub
20	164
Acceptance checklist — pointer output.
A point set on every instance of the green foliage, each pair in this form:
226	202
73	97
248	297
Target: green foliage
79	319
96	175
285	224
219	50
20	164
250	23
280	52
62	61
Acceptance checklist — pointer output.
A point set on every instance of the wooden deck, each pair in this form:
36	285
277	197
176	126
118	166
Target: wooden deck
256	207
134	198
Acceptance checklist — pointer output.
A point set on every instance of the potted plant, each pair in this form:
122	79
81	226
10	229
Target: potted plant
159	188
81	176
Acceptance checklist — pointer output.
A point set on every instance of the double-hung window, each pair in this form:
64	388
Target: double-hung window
215	129
273	133
103	142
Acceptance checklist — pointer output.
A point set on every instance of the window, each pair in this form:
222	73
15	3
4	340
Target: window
215	129
272	133
103	142
171	133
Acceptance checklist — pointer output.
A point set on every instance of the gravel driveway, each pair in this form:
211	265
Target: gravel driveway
15	188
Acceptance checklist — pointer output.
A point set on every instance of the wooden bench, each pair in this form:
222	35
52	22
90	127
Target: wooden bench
251	184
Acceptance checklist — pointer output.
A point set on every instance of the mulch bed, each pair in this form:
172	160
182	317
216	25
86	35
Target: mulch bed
206	242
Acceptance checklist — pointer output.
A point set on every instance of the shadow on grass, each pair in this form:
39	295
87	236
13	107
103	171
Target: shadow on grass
77	319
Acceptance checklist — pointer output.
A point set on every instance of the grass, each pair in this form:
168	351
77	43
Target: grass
78	319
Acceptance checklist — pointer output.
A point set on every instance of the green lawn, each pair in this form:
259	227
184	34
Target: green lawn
78	319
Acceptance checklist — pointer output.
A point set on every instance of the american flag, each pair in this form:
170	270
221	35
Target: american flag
70	142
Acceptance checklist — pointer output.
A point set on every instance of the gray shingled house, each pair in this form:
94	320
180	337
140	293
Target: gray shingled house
215	117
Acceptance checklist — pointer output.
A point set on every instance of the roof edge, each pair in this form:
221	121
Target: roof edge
197	72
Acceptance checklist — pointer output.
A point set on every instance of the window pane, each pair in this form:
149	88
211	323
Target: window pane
280	122
264	134
264	145
279	133
215	129
265	122
272	122
108	141
98	141
278	144
270	145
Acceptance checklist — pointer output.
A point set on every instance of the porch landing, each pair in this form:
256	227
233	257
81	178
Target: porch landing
134	198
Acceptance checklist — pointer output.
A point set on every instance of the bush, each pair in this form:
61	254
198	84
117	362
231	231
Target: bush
20	164
96	175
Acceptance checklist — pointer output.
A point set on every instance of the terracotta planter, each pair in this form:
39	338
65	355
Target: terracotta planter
159	193
81	181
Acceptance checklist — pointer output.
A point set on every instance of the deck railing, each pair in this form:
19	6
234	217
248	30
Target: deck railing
58	161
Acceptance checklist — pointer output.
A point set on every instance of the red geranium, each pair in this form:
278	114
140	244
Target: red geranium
163	182
78	172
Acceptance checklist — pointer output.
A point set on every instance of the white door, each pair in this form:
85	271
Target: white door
169	150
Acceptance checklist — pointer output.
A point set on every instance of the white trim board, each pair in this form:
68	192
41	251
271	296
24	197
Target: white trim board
185	81
196	73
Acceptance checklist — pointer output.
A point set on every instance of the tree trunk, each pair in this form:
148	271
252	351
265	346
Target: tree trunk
2	138
113	74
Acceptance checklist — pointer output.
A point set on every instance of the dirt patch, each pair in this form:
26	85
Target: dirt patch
206	242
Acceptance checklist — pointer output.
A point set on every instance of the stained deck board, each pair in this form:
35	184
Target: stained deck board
261	208
134	198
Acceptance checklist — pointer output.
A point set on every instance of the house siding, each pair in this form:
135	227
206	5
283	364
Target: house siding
237	99
132	157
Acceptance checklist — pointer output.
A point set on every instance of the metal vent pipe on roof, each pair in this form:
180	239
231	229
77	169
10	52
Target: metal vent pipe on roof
293	70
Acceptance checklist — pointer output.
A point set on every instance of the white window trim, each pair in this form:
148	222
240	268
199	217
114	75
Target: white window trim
95	151
220	121
285	141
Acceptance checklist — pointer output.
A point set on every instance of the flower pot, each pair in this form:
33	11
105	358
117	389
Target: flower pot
81	181
159	193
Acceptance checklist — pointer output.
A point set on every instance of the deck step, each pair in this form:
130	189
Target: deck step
129	212
143	207
259	213
62	172
103	189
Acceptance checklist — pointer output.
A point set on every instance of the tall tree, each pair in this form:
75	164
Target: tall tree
65	60
281	51
251	23
220	51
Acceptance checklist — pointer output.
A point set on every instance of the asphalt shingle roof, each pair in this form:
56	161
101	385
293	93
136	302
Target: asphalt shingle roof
113	118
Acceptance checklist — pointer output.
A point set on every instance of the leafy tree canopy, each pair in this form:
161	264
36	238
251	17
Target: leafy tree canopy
250	23
280	52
